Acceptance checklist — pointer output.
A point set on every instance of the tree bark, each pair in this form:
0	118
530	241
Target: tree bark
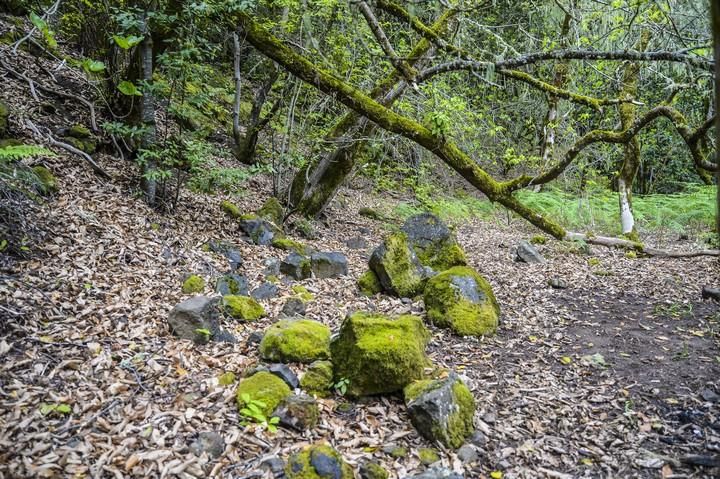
715	9
245	145
147	114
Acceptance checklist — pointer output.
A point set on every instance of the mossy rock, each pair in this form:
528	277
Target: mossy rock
296	340
230	209
442	410
377	355
372	214
4	119
397	267
371	470
264	387
318	462
79	131
463	301
318	379
538	239
428	456
47	181
433	242
288	244
272	210
243	308
302	293
369	283
193	284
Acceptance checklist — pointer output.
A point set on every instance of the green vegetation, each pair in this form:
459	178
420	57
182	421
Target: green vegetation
193	284
264	390
243	308
296	340
318	379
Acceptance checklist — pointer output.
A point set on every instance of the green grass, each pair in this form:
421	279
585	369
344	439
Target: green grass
692	209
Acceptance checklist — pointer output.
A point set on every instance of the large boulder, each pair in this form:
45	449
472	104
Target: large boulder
328	265
296	340
318	462
441	410
433	242
397	267
462	300
263	387
375	354
195	319
296	266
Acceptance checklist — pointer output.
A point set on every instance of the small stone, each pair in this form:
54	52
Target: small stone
231	284
298	412
193	284
196	314
265	291
293	307
243	308
255	337
357	242
296	266
711	293
328	265
478	439
318	461
318	378
296	340
272	267
325	465
210	443
709	395
284	372
557	283
260	231
275	465
371	470
395	451
527	253
467	454
489	418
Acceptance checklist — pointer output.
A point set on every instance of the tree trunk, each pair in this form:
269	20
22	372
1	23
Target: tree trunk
147	115
238	88
245	145
631	149
715	8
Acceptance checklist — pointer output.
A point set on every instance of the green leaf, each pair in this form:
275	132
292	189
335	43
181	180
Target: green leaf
129	89
127	42
246	412
245	397
39	23
93	66
274	420
63	408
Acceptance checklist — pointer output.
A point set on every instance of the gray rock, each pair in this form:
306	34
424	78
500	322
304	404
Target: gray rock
440	406
228	250
709	395
196	313
284	372
372	470
527	253
272	267
293	307
298	412
478	438
711	293
426	229
557	283
296	266
357	242
275	465
232	284
255	337
265	291
210	443
260	231
326	466
329	265
467	454
437	472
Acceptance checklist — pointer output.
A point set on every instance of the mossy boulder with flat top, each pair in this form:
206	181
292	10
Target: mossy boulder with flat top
463	301
376	354
318	461
397	267
369	283
243	308
433	242
296	340
441	410
264	387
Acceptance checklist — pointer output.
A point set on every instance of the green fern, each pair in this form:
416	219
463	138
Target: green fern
21	152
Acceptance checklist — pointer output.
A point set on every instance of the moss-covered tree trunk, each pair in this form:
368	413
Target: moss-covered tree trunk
246	144
716	37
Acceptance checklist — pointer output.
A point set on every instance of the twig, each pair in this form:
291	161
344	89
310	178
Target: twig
50	11
95	167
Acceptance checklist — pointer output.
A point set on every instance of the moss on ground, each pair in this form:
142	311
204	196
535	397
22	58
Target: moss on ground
243	308
193	284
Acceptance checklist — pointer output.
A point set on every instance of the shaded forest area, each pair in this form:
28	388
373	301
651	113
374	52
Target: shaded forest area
368	239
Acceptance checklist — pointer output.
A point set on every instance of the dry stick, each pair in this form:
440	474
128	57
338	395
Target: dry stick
95	167
82	100
636	246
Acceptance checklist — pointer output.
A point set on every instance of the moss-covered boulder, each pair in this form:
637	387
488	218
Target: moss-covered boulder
376	354
260	231
433	242
369	283
4	119
441	410
231	284
296	340
193	284
288	244
230	209
298	412
462	300
243	308
272	210
47	182
318	379
296	266
371	470
397	267
264	387
80	137
318	462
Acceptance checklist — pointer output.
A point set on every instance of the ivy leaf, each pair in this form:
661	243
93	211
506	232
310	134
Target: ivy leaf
128	42
93	66
128	88
36	20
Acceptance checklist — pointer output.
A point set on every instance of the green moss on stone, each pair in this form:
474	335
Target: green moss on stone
538	239
460	423
302	293
48	183
369	283
272	210
193	284
372	214
447	308
300	465
86	145
398	452
373	471
296	340
318	379
230	209
288	244
379	355
264	387
397	263
79	131
416	388
428	456
244	308
442	256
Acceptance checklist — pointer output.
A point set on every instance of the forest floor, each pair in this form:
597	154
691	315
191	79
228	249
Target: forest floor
616	376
